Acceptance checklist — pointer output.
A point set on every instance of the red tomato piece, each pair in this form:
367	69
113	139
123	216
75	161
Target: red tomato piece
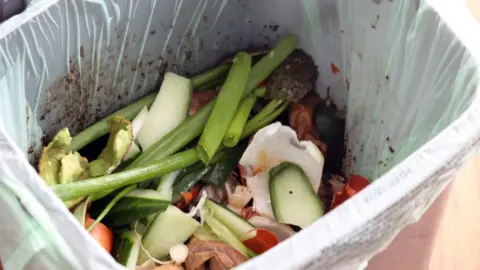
101	233
262	241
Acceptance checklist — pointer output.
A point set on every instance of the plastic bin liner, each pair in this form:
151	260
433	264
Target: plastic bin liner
405	71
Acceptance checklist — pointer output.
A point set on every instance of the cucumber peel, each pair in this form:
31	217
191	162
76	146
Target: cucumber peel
127	249
235	223
227	236
165	186
167	229
293	199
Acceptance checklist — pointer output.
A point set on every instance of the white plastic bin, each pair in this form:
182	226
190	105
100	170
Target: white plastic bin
408	80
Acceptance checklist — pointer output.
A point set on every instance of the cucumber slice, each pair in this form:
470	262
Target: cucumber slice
165	186
127	249
170	108
293	199
227	236
235	223
167	229
135	205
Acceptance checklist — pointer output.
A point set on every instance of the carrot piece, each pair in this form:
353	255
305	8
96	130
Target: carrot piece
189	196
262	241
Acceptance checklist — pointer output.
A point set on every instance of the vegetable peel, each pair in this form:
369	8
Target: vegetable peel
117	147
217	255
49	164
72	167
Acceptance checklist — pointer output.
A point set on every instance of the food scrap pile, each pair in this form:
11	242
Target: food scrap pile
211	170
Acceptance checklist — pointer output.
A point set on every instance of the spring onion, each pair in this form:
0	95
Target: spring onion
110	205
239	120
268	63
101	127
211	85
117	180
260	92
225	107
267	110
255	124
208	76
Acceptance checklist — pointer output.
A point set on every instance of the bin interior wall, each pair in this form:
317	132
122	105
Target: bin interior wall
399	75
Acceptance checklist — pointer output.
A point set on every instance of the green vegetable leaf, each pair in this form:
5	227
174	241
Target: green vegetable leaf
186	182
220	172
118	143
49	165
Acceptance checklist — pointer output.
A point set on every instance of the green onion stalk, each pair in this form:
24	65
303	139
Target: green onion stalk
239	120
225	107
105	211
117	180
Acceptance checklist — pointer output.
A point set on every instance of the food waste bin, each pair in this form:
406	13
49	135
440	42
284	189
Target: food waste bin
405	72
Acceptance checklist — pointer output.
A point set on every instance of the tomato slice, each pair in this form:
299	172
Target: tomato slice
262	241
101	233
355	184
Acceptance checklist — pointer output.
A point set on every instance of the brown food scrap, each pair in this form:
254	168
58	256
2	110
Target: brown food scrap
248	212
335	70
338	183
301	120
200	98
294	78
218	256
